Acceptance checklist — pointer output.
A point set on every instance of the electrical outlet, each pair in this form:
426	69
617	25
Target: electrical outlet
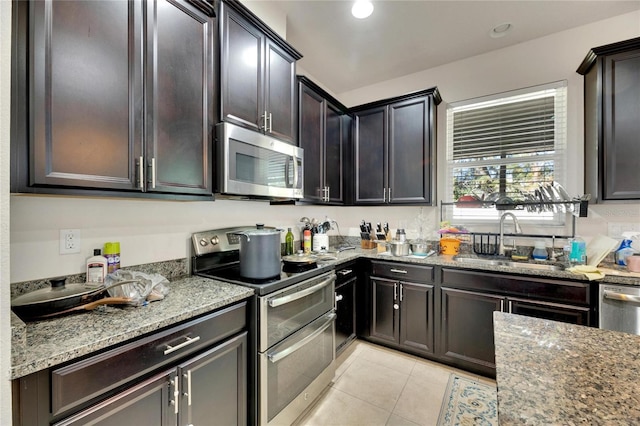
69	241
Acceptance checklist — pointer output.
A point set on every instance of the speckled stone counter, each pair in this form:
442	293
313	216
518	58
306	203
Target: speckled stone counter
551	373
43	344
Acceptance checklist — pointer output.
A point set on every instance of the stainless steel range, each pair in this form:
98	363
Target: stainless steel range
294	327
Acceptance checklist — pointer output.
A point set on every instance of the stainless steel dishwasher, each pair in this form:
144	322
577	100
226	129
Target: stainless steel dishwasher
620	308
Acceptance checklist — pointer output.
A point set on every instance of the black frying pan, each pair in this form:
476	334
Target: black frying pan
63	298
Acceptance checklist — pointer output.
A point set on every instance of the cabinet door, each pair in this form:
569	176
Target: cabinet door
242	61
334	149
148	403
416	317
410	160
467	328
214	385
384	306
346	313
279	96
621	127
371	156
179	98
551	311
311	134
86	93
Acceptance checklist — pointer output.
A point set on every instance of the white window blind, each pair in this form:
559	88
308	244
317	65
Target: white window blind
506	144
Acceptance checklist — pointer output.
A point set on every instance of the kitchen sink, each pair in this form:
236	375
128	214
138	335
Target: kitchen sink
504	262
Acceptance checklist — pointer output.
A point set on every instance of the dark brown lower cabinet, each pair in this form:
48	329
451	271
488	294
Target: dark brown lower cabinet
194	373
402	312
467	327
469	298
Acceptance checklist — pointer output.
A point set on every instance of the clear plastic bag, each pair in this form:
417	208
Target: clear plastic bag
140	288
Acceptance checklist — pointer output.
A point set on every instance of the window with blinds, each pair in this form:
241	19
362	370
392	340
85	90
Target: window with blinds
506	145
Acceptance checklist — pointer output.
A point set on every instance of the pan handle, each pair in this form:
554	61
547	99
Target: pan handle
90	306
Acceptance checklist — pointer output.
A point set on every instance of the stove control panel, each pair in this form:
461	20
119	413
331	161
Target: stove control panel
217	240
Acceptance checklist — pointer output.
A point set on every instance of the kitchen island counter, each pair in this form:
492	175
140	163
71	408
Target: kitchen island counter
555	373
42	344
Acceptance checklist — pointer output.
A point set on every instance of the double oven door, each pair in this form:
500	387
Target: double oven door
296	347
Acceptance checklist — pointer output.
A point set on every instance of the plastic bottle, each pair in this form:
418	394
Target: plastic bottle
625	248
288	249
539	251
96	267
112	253
578	254
306	242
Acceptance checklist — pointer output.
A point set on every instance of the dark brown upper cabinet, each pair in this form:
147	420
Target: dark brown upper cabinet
612	121
113	98
394	150
258	74
323	132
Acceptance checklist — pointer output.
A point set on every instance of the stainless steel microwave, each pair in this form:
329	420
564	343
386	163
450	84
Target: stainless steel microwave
255	165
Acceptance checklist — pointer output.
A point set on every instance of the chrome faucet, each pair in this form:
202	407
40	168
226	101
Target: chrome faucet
518	230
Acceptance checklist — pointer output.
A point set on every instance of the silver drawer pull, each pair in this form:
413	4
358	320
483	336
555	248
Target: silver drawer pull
621	296
189	341
345	272
398	271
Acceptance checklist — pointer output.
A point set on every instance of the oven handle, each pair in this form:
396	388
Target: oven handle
608	294
300	294
275	357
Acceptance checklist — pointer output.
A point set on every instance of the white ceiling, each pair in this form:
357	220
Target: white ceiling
404	37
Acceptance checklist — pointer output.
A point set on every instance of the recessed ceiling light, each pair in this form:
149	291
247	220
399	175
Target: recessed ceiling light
362	9
500	30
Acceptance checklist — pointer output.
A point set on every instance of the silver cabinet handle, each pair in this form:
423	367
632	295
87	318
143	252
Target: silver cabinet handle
384	195
510	306
608	294
189	341
389	195
345	272
141	173
401	291
264	121
189	387
270	123
300	294
328	192
153	173
176	394
395	291
398	271
502	305
298	345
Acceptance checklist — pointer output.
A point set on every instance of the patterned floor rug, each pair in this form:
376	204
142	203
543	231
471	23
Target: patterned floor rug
467	403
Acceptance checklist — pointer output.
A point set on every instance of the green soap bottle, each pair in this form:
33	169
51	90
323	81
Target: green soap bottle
289	242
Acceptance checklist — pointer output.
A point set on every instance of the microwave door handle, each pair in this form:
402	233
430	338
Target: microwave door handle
275	357
300	294
295	172
287	166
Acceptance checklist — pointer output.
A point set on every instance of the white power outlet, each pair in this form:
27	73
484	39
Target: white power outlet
69	241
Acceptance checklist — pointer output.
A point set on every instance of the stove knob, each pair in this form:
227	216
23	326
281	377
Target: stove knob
215	240
203	242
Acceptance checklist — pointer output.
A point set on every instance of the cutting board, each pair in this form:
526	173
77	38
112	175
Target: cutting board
599	247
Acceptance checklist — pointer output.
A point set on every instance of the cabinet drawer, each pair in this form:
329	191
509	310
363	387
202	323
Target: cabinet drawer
548	289
85	380
345	272
402	271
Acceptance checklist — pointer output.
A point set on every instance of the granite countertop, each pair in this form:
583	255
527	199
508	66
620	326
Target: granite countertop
42	344
555	373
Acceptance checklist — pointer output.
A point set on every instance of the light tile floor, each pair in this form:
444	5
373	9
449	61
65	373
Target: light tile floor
375	385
